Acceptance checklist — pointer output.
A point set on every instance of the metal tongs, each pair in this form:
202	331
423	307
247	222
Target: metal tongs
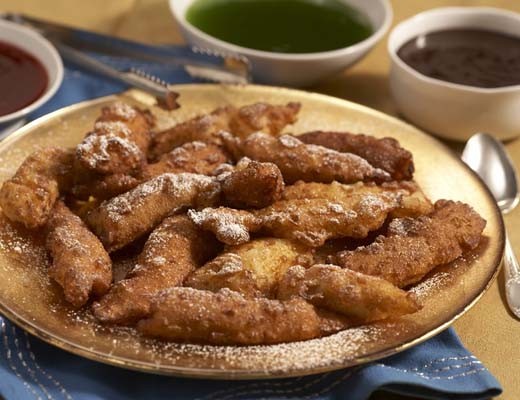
199	63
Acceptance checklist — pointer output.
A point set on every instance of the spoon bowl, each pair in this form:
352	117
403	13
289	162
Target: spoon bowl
488	158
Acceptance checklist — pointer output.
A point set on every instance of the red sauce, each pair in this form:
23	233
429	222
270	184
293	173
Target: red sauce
22	78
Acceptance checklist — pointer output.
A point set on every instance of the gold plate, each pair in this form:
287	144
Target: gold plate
32	301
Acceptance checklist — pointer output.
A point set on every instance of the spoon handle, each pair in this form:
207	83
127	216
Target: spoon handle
512	274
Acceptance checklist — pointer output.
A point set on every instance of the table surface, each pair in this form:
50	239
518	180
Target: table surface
488	329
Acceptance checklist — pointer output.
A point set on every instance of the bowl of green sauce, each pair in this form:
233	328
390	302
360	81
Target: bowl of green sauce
288	42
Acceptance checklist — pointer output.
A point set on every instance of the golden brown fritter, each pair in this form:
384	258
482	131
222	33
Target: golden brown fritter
413	247
194	157
414	203
265	117
118	143
228	318
313	221
332	322
360	297
308	221
138	121
252	185
29	196
104	187
306	162
241	122
201	128
385	153
174	249
80	264
122	219
224	271
230	226
253	269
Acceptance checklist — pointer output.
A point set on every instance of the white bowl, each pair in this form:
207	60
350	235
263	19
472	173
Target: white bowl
447	109
293	69
39	47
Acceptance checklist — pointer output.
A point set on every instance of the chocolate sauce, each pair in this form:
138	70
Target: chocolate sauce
478	58
23	78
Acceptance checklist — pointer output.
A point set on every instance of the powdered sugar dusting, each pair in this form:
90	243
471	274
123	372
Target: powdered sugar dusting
316	353
371	204
69	241
228	226
98	149
117	128
19	245
231	264
122	110
173	184
403	226
336	207
430	285
289	141
223	171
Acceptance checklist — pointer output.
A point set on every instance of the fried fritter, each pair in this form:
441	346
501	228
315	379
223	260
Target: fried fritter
360	297
201	128
29	196
118	143
313	221
104	187
172	251
241	122
80	264
385	153
306	162
308	221
230	226
414	203
253	269
332	322
228	318
194	157
413	247
268	118
252	185
124	218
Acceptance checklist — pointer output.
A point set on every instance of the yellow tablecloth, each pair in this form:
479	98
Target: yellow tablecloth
488	330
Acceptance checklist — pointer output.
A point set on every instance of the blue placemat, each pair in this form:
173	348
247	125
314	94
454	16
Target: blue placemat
441	368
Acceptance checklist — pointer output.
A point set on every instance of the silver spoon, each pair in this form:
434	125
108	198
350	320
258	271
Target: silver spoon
488	158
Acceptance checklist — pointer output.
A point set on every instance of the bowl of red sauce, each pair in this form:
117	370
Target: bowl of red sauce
455	71
31	71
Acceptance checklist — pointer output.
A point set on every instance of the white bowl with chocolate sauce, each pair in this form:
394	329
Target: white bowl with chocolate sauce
455	71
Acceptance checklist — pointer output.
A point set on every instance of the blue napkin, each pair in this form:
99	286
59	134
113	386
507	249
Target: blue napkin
31	369
440	368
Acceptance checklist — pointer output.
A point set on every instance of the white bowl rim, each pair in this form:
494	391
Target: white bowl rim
246	51
50	90
492	11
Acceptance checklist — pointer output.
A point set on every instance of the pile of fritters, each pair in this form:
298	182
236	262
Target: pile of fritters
250	236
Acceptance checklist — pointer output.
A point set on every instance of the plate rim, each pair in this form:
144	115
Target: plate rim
241	374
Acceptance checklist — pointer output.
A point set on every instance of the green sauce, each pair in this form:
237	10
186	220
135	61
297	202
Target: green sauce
283	26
